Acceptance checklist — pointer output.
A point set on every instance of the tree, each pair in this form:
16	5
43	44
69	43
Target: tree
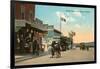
71	35
64	42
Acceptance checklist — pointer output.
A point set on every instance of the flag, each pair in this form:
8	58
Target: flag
62	16
63	19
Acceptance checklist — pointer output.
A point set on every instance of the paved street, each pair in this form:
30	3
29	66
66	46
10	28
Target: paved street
76	55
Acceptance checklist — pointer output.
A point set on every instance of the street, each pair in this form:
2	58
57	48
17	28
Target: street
74	55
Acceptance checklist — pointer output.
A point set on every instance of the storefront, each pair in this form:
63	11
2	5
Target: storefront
25	36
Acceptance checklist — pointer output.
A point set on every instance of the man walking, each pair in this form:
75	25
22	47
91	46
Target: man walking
53	49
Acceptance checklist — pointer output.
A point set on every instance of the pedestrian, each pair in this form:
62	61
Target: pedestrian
49	49
17	48
22	44
37	49
52	49
34	43
58	50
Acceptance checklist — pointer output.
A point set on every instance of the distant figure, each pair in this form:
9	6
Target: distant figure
87	47
53	49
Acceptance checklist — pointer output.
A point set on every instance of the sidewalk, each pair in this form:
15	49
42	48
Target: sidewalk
19	58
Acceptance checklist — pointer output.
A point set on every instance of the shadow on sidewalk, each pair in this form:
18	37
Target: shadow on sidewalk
23	57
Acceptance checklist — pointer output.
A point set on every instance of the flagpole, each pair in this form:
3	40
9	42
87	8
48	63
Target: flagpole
60	27
60	31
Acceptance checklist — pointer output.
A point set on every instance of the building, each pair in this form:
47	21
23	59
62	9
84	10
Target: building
52	35
27	28
24	11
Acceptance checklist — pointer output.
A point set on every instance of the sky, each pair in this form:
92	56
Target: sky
78	19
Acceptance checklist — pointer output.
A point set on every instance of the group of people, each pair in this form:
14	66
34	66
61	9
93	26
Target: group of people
55	50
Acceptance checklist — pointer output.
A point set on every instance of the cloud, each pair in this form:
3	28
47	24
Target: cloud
71	19
77	13
77	26
68	18
60	14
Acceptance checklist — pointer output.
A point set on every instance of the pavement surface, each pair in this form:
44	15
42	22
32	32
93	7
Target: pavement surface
75	55
19	58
